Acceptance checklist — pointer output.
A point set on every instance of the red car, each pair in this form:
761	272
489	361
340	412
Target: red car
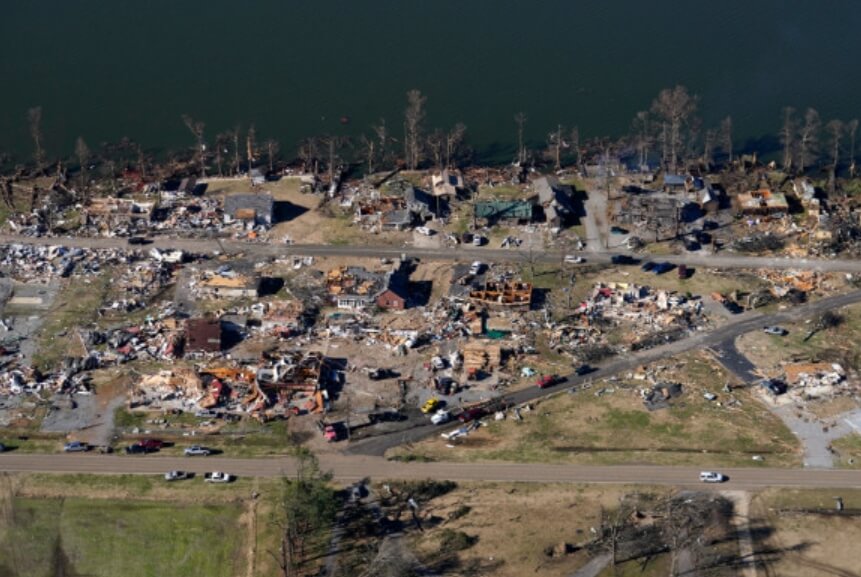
472	414
547	381
150	445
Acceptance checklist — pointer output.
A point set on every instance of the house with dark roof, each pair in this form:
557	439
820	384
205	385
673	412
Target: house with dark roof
254	209
556	199
353	287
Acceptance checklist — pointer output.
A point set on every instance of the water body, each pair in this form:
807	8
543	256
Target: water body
104	69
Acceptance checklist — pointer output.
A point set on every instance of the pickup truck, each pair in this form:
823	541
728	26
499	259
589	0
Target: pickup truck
175	476
217	477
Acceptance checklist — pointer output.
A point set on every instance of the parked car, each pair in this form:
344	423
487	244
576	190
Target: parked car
623	259
472	414
151	444
712	477
574	259
778	331
663	267
440	417
477	240
2	448
547	381
218	477
618	230
135	449
137	240
438	363
197	451
76	447
583	370
424	231
683	271
430	405
175	476
476	267
647	266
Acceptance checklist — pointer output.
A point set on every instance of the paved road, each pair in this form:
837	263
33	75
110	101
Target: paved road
738	325
351	469
459	253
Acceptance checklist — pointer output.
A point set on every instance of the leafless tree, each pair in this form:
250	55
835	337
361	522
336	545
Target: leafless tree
309	152
221	142
575	145
852	128
141	158
835	134
453	143
808	139
251	148
234	136
196	128
34	116
333	146
368	147
555	143
726	137
676	108
271	152
435	142
414	116
709	139
520	121
82	153
382	133
641	136
787	137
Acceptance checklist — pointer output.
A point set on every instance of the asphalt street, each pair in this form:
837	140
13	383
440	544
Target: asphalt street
349	469
459	253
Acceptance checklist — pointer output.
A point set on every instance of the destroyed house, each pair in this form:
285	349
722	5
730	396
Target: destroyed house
762	202
203	335
238	286
283	316
294	371
371	211
503	294
494	211
357	288
255	209
446	184
113	211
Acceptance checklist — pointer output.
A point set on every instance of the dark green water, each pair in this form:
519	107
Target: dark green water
105	69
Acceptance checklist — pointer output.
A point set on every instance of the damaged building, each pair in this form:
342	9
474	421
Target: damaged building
357	288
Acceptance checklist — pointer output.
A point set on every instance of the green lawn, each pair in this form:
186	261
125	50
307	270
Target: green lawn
118	537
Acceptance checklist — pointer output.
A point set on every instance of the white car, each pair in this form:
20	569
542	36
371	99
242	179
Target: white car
477	240
175	476
440	417
196	451
438	363
425	231
476	267
712	477
217	477
574	259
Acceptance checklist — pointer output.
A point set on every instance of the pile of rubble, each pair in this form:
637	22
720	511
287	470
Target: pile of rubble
27	263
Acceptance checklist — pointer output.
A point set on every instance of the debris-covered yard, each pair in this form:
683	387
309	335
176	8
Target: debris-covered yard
692	420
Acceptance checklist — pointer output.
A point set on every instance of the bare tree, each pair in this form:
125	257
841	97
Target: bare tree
436	146
808	139
852	128
34	116
382	133
787	137
835	133
520	121
333	146
641	135
251	148
309	152
709	147
196	128
82	153
271	152
555	143
221	142
414	116
575	145
726	137
453	143
234	136
676	108
368	147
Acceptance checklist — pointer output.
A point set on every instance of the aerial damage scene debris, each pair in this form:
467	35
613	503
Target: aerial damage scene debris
395	317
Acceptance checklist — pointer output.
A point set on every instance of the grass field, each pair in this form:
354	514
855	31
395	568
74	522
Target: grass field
78	537
608	424
848	450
